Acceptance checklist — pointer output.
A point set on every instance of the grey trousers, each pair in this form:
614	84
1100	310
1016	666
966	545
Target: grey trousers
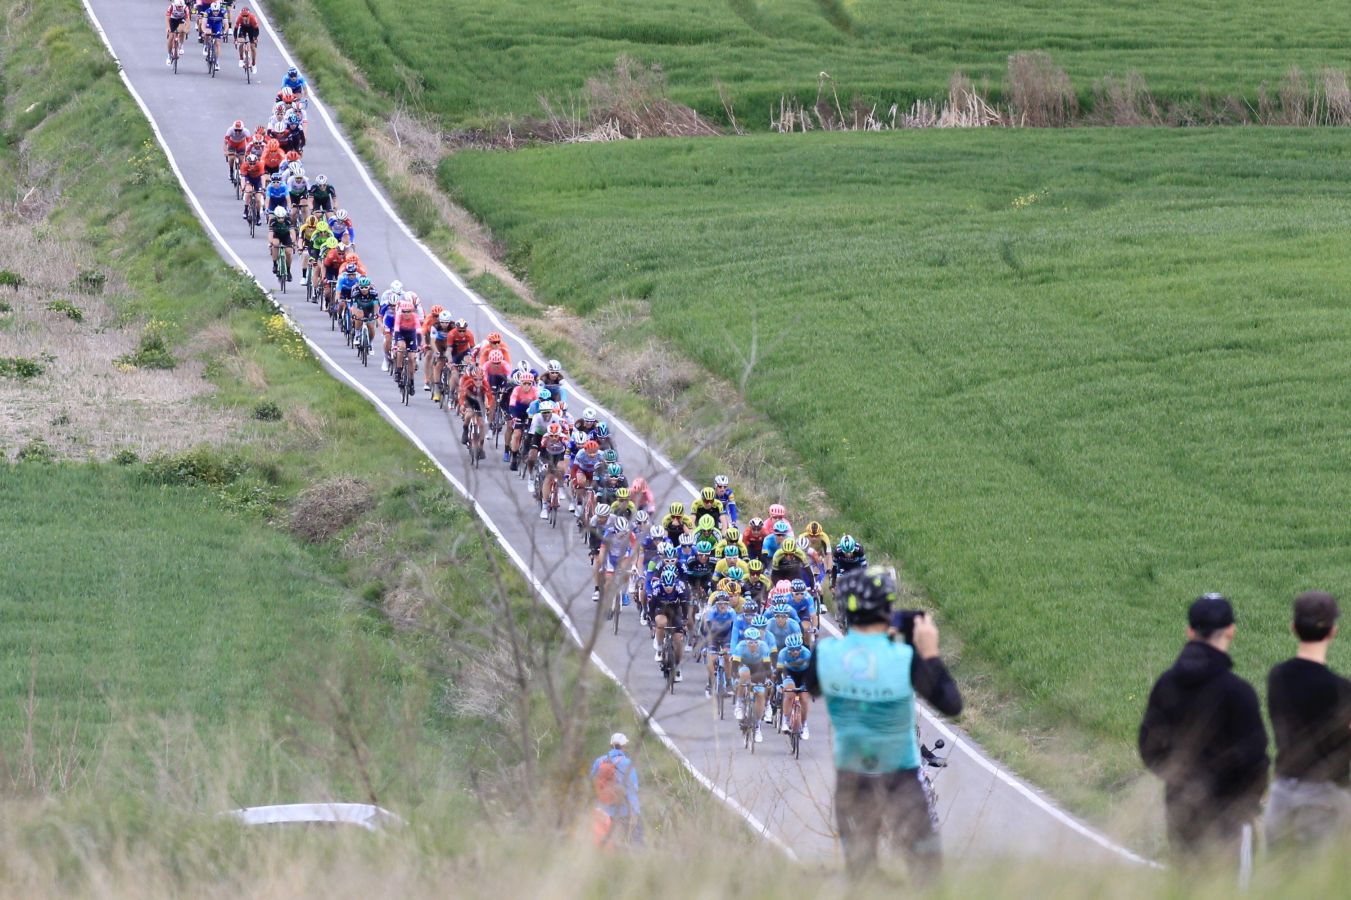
1303	813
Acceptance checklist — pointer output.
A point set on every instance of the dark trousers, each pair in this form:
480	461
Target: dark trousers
867	806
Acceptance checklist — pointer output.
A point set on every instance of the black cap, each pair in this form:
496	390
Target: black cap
1209	613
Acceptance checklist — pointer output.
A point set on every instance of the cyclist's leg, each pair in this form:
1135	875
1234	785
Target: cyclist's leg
759	701
682	616
660	636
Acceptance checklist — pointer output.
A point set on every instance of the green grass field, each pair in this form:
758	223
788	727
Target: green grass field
1071	379
469	60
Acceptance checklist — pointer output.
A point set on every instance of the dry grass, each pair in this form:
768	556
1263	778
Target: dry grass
322	510
1040	93
1124	102
84	404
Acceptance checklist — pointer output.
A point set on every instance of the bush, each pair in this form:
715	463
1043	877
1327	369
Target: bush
1040	93
89	281
267	411
4	306
245	292
73	312
153	351
10	279
126	457
20	367
35	451
198	466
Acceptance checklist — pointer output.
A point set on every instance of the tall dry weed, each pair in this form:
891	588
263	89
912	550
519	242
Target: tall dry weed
1124	102
1040	93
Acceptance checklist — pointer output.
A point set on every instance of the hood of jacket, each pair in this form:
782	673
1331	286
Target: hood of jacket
1199	662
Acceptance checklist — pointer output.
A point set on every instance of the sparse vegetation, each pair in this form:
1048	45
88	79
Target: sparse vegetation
20	367
152	352
267	411
10	279
70	310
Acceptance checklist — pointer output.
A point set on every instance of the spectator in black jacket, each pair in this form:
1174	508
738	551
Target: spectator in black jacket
1202	734
1311	716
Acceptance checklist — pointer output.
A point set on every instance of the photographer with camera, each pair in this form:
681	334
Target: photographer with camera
870	681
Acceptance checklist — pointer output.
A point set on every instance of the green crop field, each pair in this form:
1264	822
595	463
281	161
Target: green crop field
468	60
1072	379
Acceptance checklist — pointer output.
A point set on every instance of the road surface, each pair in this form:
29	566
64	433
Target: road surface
986	812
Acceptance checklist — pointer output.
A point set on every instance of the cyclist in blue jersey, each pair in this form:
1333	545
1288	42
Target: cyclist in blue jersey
215	20
782	625
722	490
870	683
804	604
667	607
717	631
793	661
751	655
296	83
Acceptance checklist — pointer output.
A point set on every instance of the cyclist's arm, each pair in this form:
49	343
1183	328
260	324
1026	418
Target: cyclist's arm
934	683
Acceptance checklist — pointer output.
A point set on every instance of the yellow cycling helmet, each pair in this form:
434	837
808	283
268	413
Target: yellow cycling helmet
813	528
677	508
706	522
755	566
732	536
622	494
708	495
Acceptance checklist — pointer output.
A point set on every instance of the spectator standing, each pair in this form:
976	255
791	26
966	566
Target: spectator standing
1310	708
616	784
1203	735
870	682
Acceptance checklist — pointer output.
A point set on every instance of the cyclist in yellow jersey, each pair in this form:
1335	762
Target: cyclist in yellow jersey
707	504
676	522
757	582
731	537
818	551
623	505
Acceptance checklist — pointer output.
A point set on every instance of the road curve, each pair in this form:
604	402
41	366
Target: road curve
986	811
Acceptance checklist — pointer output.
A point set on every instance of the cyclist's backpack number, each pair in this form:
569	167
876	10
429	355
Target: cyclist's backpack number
607	783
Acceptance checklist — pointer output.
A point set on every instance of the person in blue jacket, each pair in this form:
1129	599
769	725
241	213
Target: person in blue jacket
624	812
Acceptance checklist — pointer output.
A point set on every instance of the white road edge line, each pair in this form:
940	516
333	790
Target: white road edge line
751	819
980	759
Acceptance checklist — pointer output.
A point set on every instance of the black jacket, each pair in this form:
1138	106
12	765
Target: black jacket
1203	735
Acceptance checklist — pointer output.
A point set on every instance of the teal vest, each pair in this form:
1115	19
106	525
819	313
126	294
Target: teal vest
865	679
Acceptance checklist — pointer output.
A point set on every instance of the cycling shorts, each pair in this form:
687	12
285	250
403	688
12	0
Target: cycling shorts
254	181
180	25
367	310
408	336
389	322
674	613
248	33
758	672
496	381
473	404
457	356
298	198
283	240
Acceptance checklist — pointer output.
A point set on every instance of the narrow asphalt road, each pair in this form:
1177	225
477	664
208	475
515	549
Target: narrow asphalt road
986	812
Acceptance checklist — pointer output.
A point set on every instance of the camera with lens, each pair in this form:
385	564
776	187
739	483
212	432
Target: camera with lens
903	623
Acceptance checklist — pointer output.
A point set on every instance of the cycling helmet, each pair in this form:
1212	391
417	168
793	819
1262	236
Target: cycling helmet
622	493
252	157
668	577
444	318
620	525
686	539
215	7
783	609
292	72
363	282
703	547
655	532
735	573
732	536
555	429
275	176
591	447
731	551
776	511
494	337
708	495
720	481
677	508
814	528
495	356
292	156
759	620
797	586
547	407
589	414
755	566
396	286
757	524
545	394
721	597
437	309
792	642
612	456
603	429
279	212
751	634
555	366
461	324
602	509
239	125
706	523
781	527
867	594
614	470
640	518
527	378
802	542
847	545
350	268
667	550
321	180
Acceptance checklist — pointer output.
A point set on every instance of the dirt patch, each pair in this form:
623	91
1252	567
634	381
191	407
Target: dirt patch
60	323
322	510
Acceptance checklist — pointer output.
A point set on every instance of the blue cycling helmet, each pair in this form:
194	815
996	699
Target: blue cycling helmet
783	609
615	470
611	456
792	642
293	71
798	586
703	547
752	634
759	621
668	577
603	429
781	527
544	394
847	545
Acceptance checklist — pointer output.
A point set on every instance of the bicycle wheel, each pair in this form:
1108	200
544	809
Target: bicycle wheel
794	743
617	605
282	270
249	214
248	74
720	686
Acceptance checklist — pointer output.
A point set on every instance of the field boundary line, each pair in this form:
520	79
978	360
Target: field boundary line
753	821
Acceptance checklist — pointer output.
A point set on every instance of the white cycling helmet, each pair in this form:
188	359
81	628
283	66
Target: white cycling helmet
342	214
396	286
555	366
640	517
321	179
655	532
445	318
602	510
718	480
620	525
279	212
547	406
589	414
